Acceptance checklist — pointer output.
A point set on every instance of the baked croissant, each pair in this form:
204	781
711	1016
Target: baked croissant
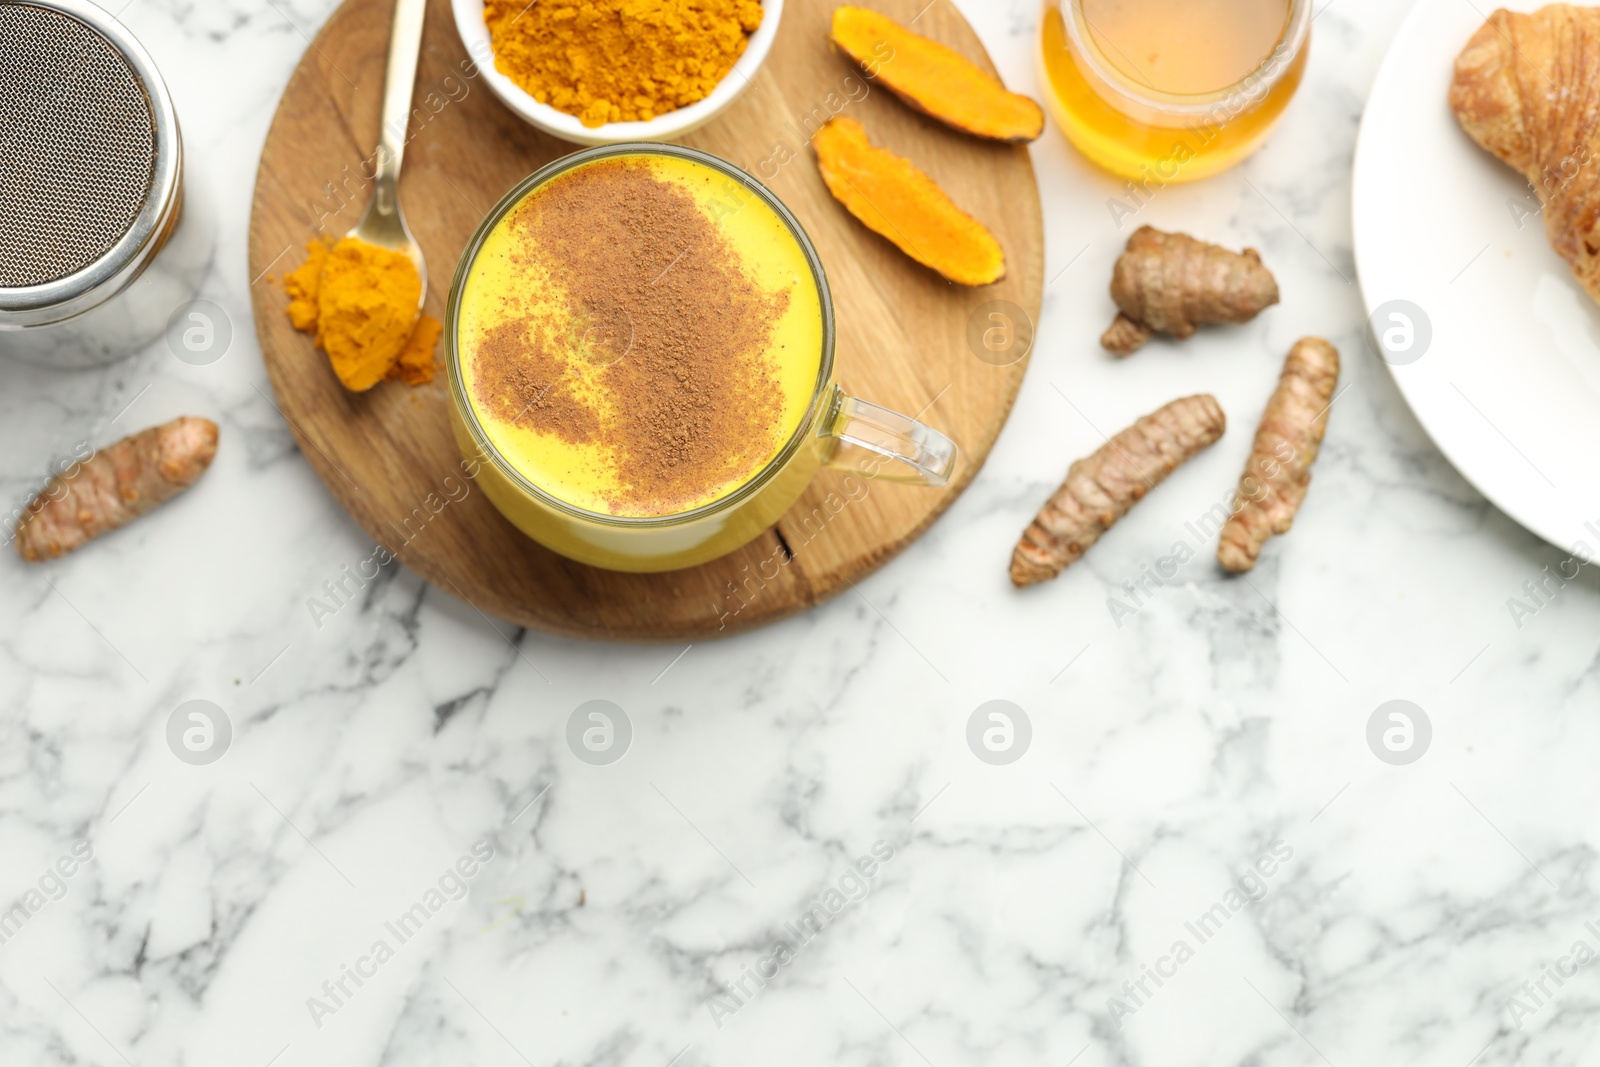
1527	88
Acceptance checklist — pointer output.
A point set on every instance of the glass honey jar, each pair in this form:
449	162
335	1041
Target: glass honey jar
1166	91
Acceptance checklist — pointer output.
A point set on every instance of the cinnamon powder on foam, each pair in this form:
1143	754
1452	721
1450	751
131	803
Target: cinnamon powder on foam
692	402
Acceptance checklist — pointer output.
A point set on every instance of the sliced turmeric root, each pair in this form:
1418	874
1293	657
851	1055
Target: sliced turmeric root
935	80
893	198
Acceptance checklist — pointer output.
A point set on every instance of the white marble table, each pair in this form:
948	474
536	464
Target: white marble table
1012	914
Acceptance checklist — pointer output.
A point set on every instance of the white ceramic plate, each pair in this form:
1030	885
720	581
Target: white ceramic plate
1508	385
672	125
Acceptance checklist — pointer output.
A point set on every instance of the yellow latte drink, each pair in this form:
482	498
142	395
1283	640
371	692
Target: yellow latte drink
640	336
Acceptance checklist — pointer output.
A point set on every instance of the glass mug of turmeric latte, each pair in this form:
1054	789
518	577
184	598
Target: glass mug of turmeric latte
640	349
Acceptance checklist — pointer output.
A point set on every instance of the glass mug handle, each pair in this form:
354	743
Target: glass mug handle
925	456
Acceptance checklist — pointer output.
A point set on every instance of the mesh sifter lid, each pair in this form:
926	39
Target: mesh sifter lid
88	153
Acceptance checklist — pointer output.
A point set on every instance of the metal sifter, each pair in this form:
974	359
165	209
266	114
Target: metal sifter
97	251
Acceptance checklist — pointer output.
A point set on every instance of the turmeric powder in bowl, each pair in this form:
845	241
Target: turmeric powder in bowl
360	301
619	60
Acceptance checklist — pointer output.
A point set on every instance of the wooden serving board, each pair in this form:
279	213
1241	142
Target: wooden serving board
902	331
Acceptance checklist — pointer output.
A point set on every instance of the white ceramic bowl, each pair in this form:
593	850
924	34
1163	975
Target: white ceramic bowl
475	35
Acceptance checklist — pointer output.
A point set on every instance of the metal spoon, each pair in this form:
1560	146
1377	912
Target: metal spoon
383	223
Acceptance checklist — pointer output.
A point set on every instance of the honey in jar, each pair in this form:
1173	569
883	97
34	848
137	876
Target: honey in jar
1165	91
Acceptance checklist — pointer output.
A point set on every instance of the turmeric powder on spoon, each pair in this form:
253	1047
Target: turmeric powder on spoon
360	301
